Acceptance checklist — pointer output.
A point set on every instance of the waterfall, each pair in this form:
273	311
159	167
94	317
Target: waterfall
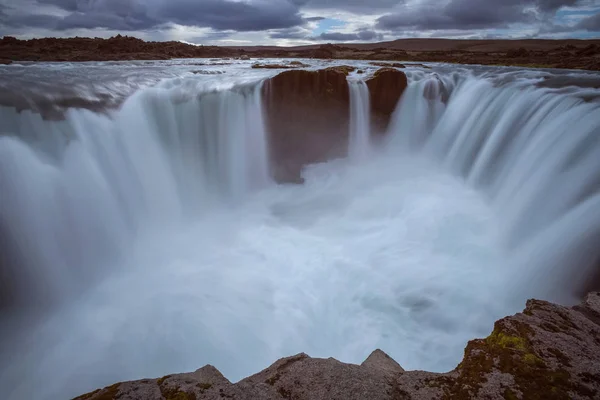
360	119
149	240
76	193
534	152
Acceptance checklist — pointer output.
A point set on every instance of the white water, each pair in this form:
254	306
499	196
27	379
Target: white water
360	120
164	247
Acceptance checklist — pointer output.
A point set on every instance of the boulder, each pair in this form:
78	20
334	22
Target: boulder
385	88
387	65
307	117
344	69
548	352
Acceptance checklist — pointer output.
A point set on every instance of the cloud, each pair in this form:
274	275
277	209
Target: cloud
472	14
237	15
355	6
364	35
591	23
128	15
290	33
297	21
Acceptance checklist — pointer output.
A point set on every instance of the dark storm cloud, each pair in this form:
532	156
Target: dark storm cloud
69	5
591	23
361	35
472	14
240	16
359	6
253	15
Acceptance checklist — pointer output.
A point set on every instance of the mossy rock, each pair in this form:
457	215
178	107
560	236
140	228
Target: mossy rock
509	350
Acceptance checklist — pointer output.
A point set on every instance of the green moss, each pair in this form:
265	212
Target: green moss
163	379
286	394
509	350
176	394
108	393
87	395
204	386
532	359
503	340
272	380
510	395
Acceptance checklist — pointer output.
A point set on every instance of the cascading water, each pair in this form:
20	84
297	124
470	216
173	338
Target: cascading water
164	245
78	192
360	114
534	153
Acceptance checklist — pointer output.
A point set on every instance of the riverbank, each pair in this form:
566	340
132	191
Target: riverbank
568	54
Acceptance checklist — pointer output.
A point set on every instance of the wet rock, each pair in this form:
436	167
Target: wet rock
299	64
546	352
387	65
307	118
344	69
291	65
5	62
385	88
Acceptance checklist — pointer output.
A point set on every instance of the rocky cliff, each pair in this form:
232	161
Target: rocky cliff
308	115
546	352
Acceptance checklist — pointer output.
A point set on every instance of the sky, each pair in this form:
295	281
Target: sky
299	22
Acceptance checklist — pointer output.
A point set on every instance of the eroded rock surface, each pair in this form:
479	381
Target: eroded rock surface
547	352
307	118
308	115
385	87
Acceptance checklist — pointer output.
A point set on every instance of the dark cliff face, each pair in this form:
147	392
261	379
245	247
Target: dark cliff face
308	115
307	119
385	88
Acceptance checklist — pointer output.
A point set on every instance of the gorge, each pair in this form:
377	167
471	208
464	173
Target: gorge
171	214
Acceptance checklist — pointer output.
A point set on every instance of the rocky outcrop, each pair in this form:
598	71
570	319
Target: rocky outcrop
290	65
307	117
548	352
388	65
385	88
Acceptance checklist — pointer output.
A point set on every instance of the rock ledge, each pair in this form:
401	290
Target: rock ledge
546	352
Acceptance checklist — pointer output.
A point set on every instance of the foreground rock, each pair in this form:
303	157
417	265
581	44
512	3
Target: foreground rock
547	352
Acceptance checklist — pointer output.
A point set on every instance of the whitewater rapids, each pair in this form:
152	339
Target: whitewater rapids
150	239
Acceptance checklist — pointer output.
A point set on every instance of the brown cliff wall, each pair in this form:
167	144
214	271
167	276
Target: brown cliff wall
308	115
307	119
